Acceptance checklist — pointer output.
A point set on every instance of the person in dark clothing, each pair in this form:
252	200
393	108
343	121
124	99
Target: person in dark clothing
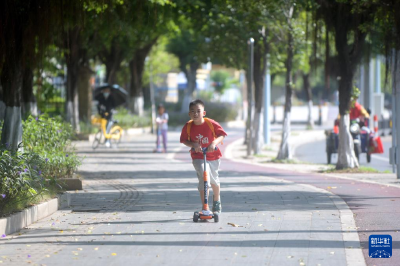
105	108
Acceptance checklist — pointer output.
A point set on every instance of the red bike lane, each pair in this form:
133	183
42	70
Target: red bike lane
376	207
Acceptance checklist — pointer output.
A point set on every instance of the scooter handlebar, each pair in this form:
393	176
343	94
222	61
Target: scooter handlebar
204	149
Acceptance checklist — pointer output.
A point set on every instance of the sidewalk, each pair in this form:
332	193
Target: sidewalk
137	207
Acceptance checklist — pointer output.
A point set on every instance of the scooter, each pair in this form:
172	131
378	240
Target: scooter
205	214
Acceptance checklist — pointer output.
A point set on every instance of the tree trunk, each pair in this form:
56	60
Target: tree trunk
29	105
346	23
191	85
284	150
11	80
327	69
2	110
113	60
349	57
260	58
72	44
85	93
346	155
307	90
136	68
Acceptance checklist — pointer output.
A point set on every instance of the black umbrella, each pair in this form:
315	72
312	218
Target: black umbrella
119	95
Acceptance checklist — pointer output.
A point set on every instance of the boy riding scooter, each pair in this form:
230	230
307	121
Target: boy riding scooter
199	133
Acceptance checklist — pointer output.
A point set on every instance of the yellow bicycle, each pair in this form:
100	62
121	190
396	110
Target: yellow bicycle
102	135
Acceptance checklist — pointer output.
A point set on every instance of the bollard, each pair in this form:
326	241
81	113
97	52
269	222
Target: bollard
376	123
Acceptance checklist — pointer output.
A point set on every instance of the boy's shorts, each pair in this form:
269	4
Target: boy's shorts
212	171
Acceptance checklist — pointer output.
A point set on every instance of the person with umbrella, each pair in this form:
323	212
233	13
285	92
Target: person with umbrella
109	97
105	107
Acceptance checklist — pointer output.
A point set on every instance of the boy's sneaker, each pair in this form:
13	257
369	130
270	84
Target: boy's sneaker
217	206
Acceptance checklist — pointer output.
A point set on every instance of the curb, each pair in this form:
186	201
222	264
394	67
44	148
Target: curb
26	217
354	254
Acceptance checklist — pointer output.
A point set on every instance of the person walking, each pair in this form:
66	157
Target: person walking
162	128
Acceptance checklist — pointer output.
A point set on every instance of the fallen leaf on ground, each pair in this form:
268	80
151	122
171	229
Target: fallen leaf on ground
235	225
113	254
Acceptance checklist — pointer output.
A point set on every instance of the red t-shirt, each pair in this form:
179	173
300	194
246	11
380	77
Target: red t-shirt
355	112
203	135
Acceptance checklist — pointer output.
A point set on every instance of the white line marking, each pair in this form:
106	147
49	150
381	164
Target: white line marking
381	158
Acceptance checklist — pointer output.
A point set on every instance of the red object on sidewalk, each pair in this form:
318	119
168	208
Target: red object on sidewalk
375	145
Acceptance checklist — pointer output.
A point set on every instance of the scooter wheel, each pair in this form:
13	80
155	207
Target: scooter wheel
216	217
195	217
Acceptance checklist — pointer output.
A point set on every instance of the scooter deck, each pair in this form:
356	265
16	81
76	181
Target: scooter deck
205	217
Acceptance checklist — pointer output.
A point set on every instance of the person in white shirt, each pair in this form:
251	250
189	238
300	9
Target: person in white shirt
162	128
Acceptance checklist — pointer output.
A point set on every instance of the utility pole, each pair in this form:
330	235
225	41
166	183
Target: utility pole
267	103
250	98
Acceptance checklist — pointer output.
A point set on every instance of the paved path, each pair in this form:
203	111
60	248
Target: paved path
137	207
373	198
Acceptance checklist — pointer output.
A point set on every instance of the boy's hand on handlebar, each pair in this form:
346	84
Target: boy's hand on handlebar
197	147
211	147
